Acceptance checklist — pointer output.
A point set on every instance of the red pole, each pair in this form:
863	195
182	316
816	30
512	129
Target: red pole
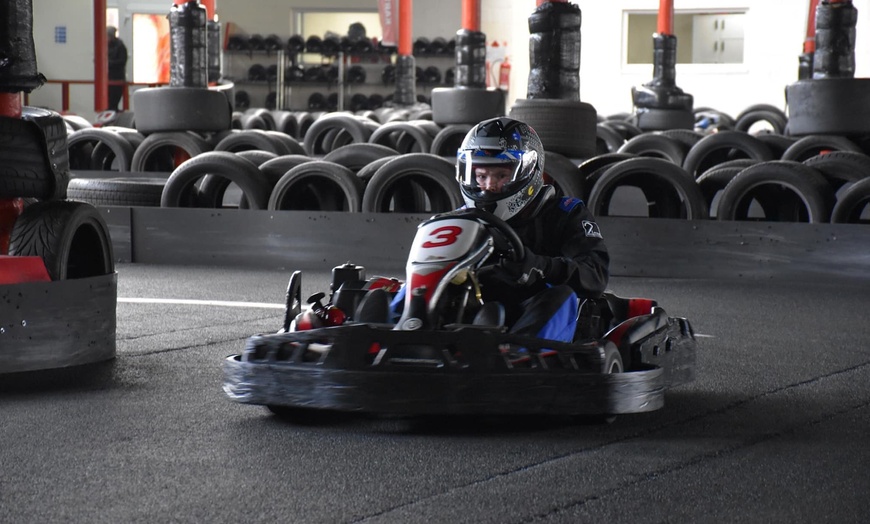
209	6
471	15
101	57
810	41
10	208
405	27
666	17
10	105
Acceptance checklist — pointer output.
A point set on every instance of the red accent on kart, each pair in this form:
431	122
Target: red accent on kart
375	348
429	280
615	336
390	285
18	270
639	306
10	208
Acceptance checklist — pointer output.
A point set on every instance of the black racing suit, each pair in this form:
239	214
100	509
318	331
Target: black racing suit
568	249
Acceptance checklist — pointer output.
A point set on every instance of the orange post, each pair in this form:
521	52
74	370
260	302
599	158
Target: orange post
810	40
101	57
471	15
666	17
405	27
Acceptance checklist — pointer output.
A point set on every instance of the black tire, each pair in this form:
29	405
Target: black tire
357	156
432	173
841	167
368	171
723	146
852	204
590	170
404	137
137	191
687	137
314	141
797	193
564	126
26	159
625	128
607	139
83	144
563	174
162	109
613	363
275	168
243	172
761	107
213	188
775	120
286	123
657	146
777	143
291	146
248	139
669	190
71	237
812	145
714	180
163	152
465	105
446	143
317	186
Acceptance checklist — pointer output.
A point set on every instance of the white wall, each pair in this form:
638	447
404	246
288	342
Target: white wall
774	38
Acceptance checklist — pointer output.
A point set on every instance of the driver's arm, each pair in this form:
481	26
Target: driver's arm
568	248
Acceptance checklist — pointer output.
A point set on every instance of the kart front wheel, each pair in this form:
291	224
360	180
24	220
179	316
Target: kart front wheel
612	364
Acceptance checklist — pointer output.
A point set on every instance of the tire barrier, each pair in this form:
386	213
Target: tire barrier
669	191
180	190
656	145
116	153
317	185
714	180
834	55
34	157
554	52
271	141
607	139
71	237
724	145
813	145
841	167
785	190
563	174
357	156
353	127
163	152
422	182
212	191
405	136
853	204
447	141
366	140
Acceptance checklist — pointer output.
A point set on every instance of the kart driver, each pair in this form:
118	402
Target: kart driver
500	168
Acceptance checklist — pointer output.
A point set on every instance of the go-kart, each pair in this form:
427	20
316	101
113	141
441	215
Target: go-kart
449	352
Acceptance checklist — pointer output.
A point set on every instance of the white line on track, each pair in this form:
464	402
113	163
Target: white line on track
189	302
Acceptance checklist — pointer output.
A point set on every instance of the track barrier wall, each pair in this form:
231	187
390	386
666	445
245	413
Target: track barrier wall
643	247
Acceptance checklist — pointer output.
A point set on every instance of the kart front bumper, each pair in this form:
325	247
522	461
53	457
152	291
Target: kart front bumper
365	368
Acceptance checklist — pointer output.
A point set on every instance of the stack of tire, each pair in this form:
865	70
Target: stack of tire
730	174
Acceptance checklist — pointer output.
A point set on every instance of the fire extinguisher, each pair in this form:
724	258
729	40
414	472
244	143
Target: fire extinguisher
504	74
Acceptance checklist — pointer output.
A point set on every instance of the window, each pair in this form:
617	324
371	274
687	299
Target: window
702	37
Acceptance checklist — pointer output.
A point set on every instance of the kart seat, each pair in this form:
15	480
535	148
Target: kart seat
374	307
490	314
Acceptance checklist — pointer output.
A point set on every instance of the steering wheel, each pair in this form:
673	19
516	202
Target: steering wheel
506	239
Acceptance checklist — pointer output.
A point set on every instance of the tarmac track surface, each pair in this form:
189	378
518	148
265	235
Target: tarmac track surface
774	429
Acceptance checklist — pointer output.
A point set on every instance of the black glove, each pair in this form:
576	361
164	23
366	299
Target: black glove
524	272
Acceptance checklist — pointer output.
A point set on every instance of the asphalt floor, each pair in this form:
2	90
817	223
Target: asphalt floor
773	429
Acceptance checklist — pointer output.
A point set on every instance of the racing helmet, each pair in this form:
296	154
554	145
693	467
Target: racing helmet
501	143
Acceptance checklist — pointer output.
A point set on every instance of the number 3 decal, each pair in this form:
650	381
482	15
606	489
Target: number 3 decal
444	236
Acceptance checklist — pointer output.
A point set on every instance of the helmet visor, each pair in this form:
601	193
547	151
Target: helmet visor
491	174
